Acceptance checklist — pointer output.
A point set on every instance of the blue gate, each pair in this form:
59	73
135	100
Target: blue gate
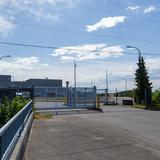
64	98
81	97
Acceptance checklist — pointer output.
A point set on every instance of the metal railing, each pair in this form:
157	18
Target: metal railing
11	131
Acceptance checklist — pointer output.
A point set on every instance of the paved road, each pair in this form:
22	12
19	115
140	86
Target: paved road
117	134
141	122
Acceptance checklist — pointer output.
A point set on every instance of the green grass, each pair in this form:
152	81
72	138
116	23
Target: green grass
156	107
41	116
153	108
139	106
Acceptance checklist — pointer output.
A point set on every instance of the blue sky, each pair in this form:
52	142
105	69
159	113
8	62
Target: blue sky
94	33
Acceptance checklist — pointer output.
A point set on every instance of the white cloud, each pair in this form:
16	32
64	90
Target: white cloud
45	64
133	8
87	52
150	9
108	22
27	3
153	63
31	67
20	64
6	27
44	15
28	61
41	9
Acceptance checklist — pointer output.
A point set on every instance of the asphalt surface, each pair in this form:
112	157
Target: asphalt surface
49	105
117	134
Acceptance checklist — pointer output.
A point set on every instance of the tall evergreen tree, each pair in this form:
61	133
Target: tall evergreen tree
143	90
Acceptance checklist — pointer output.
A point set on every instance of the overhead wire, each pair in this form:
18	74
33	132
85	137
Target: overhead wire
86	34
69	49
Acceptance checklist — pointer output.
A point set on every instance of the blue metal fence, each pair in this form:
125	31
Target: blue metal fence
65	97
11	131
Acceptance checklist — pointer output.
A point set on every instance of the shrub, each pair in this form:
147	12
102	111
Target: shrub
9	108
156	97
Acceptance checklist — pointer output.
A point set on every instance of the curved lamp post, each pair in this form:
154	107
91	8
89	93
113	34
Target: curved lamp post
6	56
75	83
132	47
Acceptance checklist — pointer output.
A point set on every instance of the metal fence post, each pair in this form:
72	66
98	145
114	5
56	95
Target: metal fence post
95	96
74	97
85	96
98	102
67	85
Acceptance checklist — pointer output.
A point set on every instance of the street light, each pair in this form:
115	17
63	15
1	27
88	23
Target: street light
5	56
139	52
75	74
132	47
75	85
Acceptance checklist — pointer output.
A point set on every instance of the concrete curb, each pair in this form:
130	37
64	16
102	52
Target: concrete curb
20	147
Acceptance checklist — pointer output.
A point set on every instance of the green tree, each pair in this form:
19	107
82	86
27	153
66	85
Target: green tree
156	97
9	108
143	86
4	113
16	105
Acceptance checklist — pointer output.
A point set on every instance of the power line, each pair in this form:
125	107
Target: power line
82	33
65	48
28	45
111	3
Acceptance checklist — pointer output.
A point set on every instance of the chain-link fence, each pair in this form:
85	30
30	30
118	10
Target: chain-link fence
81	97
50	93
70	97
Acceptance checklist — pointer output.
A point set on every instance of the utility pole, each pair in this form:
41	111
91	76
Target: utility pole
91	83
106	91
107	88
75	90
75	74
126	88
116	96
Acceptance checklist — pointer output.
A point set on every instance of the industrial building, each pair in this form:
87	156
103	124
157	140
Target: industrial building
38	82
5	81
38	87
